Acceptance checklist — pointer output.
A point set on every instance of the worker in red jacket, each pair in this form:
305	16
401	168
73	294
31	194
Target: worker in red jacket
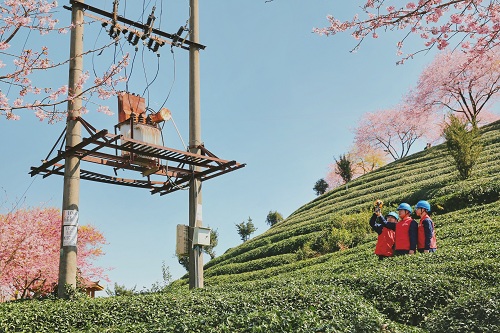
426	232
406	231
386	236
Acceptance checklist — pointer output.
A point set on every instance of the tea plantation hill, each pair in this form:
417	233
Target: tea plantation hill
316	271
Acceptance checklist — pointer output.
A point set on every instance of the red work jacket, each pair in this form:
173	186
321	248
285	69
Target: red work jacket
403	234
385	243
421	234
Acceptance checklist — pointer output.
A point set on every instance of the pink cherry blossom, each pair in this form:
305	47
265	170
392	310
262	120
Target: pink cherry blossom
454	82
105	110
29	251
21	66
393	130
451	21
18	102
40	114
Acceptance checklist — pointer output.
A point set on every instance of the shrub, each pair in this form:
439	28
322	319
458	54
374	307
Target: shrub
473	312
463	145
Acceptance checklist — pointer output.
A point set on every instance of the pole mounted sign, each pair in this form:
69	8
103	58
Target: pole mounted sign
70	227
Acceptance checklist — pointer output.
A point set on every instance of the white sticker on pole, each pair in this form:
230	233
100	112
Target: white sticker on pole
199	215
70	217
70	227
70	235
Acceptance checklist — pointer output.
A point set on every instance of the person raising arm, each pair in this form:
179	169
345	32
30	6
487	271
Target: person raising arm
406	230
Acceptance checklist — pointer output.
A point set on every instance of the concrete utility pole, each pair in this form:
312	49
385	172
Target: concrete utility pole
71	191
195	198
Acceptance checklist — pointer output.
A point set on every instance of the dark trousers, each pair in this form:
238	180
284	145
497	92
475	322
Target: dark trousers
430	250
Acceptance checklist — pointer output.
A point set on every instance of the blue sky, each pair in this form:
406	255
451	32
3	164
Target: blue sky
273	95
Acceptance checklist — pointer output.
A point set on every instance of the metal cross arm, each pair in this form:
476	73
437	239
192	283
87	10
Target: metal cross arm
152	161
207	174
66	153
94	176
166	153
177	41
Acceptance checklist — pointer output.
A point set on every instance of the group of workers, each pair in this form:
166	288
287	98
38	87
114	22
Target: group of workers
399	234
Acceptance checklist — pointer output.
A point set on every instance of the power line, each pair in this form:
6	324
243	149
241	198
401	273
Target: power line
161	14
131	69
155	77
23	195
173	80
145	74
93	53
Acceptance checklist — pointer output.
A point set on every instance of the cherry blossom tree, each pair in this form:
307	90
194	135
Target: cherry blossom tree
333	178
393	130
367	158
29	252
21	66
456	83
472	25
364	158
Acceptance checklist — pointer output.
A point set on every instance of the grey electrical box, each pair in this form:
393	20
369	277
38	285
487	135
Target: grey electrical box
201	236
181	245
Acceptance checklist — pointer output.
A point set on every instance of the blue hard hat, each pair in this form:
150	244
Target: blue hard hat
423	204
393	214
405	206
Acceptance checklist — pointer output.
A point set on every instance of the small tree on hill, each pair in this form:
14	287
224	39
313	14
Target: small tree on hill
464	145
345	168
245	229
214	240
273	218
362	159
183	260
165	284
320	187
121	290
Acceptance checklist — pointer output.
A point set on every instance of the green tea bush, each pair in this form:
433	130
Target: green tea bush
467	193
294	309
472	312
253	265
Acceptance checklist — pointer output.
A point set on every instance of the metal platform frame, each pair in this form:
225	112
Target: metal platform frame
128	154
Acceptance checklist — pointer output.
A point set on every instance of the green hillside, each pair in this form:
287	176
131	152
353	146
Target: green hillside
316	271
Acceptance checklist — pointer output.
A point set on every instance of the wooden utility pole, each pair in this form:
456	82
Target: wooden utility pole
71	190
195	198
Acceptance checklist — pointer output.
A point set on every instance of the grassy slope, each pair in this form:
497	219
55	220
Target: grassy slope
261	286
425	175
